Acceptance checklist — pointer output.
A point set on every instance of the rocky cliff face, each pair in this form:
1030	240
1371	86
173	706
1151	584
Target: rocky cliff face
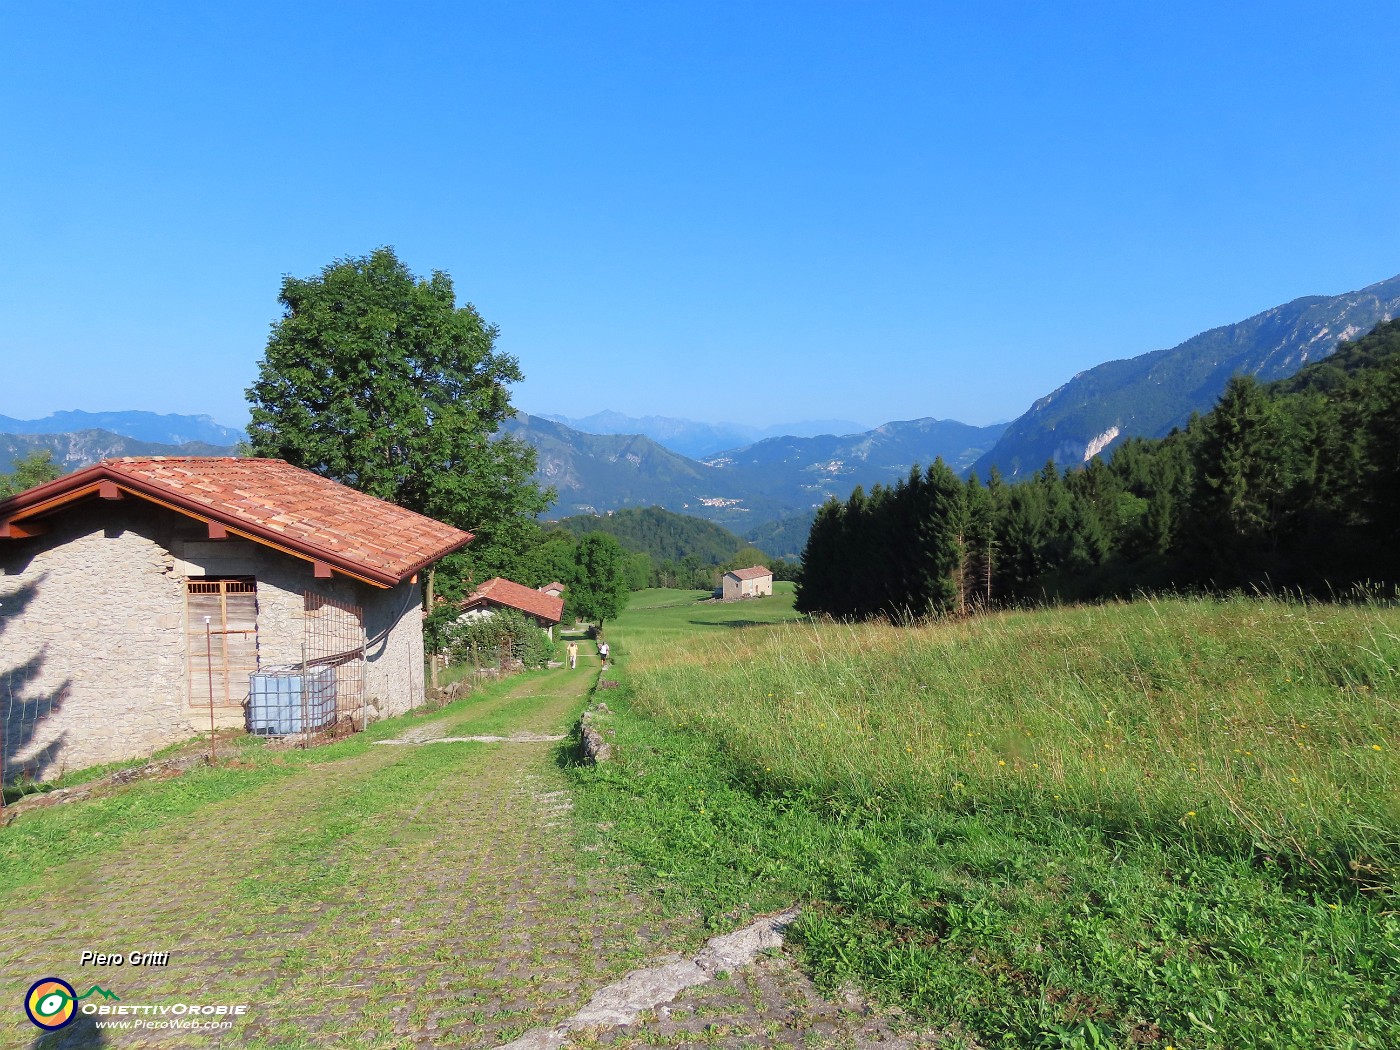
1147	396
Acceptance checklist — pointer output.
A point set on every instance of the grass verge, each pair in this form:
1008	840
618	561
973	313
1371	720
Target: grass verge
1166	824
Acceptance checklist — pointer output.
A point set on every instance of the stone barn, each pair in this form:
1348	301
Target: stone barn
746	583
143	598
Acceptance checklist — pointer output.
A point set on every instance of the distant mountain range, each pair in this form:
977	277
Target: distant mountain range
742	487
598	473
143	426
82	448
698	440
1147	396
766	489
829	464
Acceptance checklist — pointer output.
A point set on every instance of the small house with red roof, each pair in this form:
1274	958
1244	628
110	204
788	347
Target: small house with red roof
752	582
143	599
544	608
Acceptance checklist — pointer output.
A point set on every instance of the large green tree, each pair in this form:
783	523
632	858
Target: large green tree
378	379
598	587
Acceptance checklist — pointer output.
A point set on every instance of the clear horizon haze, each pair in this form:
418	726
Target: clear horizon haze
718	211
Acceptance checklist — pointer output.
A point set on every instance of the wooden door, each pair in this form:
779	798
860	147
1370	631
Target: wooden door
224	651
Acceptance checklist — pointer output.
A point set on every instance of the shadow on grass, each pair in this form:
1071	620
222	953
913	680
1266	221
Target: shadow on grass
731	623
81	1033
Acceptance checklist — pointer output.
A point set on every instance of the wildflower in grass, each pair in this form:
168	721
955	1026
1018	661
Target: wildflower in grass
1375	747
1002	762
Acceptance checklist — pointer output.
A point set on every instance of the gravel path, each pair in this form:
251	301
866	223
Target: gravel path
405	897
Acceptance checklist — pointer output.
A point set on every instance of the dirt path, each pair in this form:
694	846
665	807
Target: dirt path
426	895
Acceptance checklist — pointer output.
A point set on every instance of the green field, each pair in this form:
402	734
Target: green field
1166	823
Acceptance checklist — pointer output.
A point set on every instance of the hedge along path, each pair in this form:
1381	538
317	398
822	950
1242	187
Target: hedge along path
403	897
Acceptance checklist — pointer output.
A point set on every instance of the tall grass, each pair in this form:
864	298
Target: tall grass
1224	725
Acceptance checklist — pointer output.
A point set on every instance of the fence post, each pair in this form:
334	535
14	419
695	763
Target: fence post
305	702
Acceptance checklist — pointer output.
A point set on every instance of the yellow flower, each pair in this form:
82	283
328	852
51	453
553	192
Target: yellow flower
1001	763
1375	747
1190	812
1332	906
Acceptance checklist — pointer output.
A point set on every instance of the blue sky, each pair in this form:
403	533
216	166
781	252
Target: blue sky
747	211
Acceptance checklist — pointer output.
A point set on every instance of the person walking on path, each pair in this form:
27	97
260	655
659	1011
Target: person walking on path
603	653
573	655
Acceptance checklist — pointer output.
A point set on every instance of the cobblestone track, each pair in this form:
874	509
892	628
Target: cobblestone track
463	917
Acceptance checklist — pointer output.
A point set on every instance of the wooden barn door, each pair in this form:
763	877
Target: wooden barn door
231	647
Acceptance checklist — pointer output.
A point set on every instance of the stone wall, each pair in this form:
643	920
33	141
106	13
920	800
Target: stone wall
394	656
92	647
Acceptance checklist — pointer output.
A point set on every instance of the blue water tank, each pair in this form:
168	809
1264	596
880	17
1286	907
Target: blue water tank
283	700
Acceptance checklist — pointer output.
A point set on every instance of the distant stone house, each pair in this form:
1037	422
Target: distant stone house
746	583
141	597
544	608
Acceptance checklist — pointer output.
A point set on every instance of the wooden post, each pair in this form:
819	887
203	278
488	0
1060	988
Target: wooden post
209	666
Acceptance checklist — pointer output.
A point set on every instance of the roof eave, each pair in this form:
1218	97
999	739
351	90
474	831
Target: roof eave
50	496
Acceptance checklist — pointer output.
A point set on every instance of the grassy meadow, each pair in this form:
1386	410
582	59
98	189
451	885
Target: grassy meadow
1165	823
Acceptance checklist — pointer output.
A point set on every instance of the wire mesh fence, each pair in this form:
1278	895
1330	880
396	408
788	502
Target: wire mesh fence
466	668
23	711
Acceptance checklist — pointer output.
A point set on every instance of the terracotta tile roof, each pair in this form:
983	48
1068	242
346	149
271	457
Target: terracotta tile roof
270	502
555	586
755	573
500	591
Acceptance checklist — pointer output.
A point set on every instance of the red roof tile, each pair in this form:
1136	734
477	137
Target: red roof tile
500	591
755	573
270	502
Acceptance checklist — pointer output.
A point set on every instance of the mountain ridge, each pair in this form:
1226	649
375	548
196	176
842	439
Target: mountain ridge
81	448
697	439
169	429
1149	394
